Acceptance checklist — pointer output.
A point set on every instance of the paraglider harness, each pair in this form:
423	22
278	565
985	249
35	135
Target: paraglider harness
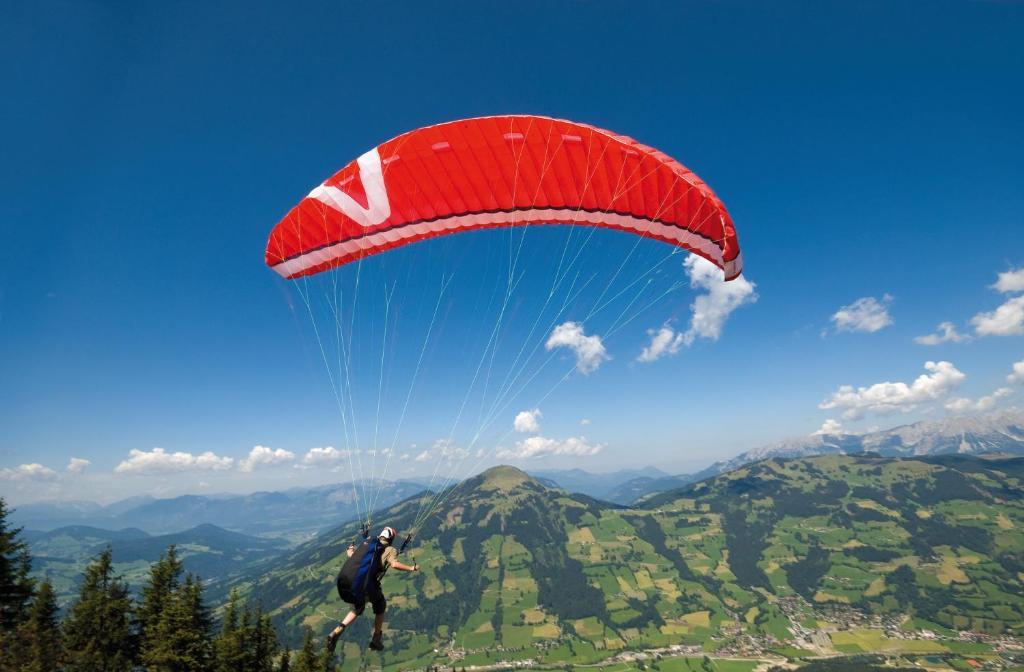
357	581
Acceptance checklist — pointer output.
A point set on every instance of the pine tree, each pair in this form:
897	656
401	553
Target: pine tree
244	635
247	640
180	639
307	658
41	633
199	619
164	578
326	662
98	635
229	648
286	662
263	642
15	585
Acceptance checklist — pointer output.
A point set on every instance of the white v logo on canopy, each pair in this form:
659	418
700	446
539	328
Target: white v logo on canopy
371	174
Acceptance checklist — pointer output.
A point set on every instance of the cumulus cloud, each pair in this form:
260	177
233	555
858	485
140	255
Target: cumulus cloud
322	457
946	333
1006	320
585	421
443	449
963	405
589	350
1010	282
709	311
664	341
158	461
540	446
261	456
77	465
830	428
28	472
866	314
528	422
885	398
1017	375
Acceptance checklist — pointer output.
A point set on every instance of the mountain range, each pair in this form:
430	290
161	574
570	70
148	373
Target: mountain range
826	554
998	432
620	487
206	550
295	514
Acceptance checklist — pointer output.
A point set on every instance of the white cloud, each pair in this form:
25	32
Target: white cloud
1010	282
1017	376
28	472
664	341
959	405
1006	320
585	421
884	398
539	446
528	422
589	350
830	428
946	333
261	456
711	310
708	312
963	405
443	449
77	465
866	314
328	455
158	461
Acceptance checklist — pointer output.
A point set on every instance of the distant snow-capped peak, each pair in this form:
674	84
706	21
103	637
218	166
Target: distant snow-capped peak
1001	431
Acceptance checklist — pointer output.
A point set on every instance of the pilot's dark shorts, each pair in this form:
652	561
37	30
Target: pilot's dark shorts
374	595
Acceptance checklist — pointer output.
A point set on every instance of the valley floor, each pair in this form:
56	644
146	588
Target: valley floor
839	633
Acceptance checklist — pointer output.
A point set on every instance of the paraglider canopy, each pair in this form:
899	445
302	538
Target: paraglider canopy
496	172
473	174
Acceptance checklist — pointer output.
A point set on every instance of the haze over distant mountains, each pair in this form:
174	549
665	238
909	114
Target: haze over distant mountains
301	511
297	511
606	486
61	555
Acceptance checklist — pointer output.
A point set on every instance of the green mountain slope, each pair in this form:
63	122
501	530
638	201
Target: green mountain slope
807	553
937	538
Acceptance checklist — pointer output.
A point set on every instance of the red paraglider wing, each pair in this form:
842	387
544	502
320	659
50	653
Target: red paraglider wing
500	171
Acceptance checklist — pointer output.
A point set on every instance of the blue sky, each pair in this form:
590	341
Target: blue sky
865	150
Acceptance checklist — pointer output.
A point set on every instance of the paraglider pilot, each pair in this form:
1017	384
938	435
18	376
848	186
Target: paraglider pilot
359	583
